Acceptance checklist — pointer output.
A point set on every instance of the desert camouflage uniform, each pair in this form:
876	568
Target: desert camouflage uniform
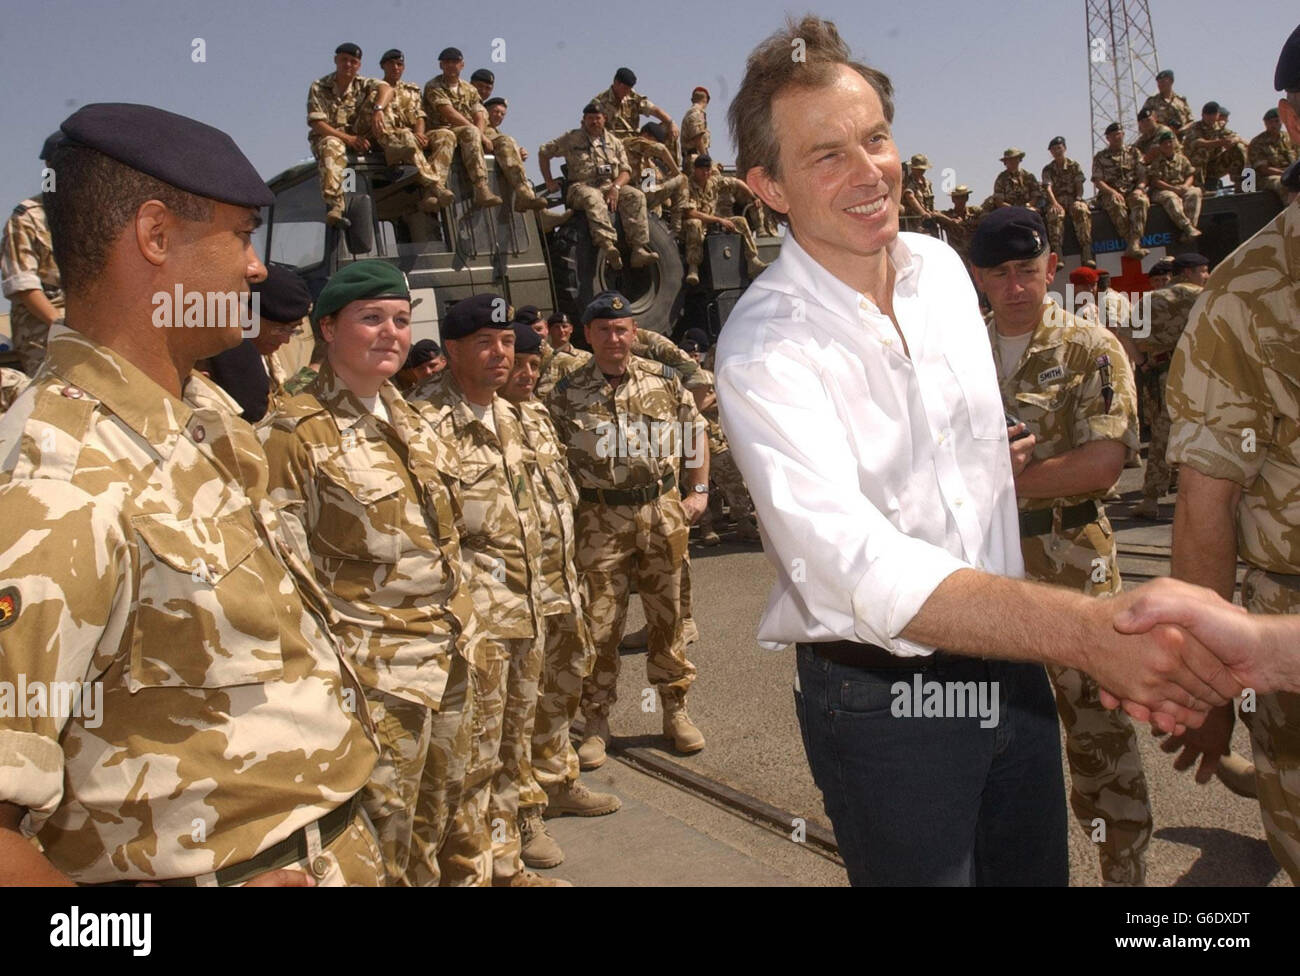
959	237
27	263
922	190
706	200
1213	163
665	184
1173	112
1184	210
1272	149
143	553
12	382
623	119
587	186
1170	308
555	363
375	498
1067	186
1124	171
402	115
444	136
501	548
722	469
1019	189
694	123
343	112
1236	416
511	165
1147	145
619	542
1059	390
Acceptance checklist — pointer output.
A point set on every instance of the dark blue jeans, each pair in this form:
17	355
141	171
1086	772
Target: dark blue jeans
937	799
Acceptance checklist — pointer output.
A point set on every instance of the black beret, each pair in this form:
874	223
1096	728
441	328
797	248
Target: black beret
1113	127
655	130
557	318
422	352
482	74
358	280
704	159
496	100
467	316
688	345
527	314
1165	73
1270	114
53	140
591	108
451	54
1209	107
1286	77
627	76
180	151
1008	234
700	337
526	340
392	54
1056	141
1163	266
1166	136
347	47
1190	259
1144	114
607	305
284	295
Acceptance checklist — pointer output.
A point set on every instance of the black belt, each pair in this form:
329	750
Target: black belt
1039	522
870	656
628	496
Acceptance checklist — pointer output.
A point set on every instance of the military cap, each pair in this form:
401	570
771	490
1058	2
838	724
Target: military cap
1084	276
1270	114
528	314
704	159
1286	77
347	47
392	54
526	340
1144	114
557	318
361	279
699	336
284	295
607	305
467	316
451	54
1056	141
54	139
1210	108
591	108
1008	234
919	161
1114	127
1164	73
1013	153
627	76
655	130
1190	259
700	88
483	74
422	352
180	151
960	190
1165	136
496	100
689	345
1224	110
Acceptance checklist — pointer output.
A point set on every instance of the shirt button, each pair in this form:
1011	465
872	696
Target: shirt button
199	434
72	393
957	502
320	866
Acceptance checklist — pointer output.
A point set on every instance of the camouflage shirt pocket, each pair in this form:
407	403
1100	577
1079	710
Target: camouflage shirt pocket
204	617
360	514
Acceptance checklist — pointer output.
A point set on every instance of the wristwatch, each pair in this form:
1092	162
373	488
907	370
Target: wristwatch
700	489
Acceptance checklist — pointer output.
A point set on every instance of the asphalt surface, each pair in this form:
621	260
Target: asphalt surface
743	703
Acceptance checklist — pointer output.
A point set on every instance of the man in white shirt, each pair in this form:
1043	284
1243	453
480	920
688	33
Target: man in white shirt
858	392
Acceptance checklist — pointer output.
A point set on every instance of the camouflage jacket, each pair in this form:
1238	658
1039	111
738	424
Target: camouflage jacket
498	521
623	119
557	496
593	163
555	363
647	345
341	111
694	124
1147	144
1122	170
1059	390
1271	149
1019	189
12	383
143	554
375	498
959	237
1169	310
1234	394
1173	111
1194	142
462	96
644	153
717	439
1175	170
921	188
1066	182
27	254
626	436
406	108
707	198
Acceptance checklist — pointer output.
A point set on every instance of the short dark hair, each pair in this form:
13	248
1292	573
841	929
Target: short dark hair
94	199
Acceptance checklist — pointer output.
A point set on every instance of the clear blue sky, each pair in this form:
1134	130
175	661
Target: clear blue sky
971	78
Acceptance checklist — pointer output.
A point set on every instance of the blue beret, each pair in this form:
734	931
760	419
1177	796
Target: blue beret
607	305
467	316
347	47
1165	73
527	314
358	280
54	139
1190	259
392	54
627	76
1008	234
283	295
451	54
1286	77
526	340
187	154
482	74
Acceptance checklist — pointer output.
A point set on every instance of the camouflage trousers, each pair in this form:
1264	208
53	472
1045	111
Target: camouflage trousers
506	152
1080	216
442	146
29	334
631	207
616	544
417	783
693	233
1108	789
1275	735
513	783
671	192
331	160
1215	163
1273	184
1128	215
1184	210
399	146
724	473
1158	475
568	658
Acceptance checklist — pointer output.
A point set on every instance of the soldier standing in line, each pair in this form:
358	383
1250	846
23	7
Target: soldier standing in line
500	538
569	652
1014	186
29	277
1120	177
373	488
230	745
1170	308
701	209
695	127
1172	180
655	170
631	521
600	182
959	220
1149	131
1069	385
456	118
624	108
1169	108
1215	150
1270	153
559	355
1063	184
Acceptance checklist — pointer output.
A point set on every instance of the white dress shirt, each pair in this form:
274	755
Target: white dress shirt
875	475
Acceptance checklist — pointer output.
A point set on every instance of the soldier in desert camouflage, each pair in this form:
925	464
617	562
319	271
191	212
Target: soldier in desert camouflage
1063	186
1172	178
701	215
695	127
624	107
456	117
1168	107
1121	178
29	277
1270	153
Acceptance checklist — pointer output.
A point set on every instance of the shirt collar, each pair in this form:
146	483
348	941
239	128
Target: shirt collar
807	274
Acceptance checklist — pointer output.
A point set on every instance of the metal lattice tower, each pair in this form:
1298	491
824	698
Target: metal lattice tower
1122	63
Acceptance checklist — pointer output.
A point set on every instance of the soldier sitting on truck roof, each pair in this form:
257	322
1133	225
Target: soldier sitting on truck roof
700	215
456	117
510	156
647	152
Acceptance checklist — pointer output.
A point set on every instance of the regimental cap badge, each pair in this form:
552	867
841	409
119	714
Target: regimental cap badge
617	304
9	604
1038	241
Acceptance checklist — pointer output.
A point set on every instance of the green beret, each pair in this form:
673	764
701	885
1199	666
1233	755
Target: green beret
1165	136
361	279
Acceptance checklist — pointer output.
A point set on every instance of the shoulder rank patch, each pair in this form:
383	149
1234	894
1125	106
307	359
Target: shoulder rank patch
1047	375
9	606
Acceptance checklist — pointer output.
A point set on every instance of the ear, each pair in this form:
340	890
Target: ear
978	275
155	230
767	188
1051	266
327	327
1290	120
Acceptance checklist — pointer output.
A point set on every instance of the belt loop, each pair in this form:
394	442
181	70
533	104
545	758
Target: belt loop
312	834
208	880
